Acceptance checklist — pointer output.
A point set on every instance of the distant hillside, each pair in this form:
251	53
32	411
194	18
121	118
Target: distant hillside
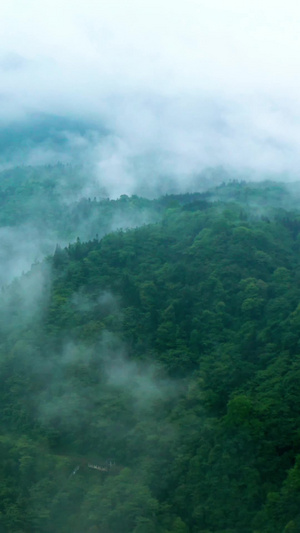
45	206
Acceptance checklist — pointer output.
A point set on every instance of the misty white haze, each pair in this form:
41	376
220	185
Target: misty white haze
178	86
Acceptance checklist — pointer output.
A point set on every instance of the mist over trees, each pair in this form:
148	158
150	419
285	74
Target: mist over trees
149	266
150	375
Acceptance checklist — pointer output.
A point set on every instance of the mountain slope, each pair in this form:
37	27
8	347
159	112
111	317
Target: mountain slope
170	352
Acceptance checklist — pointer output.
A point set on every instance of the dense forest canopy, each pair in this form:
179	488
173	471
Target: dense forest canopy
150	363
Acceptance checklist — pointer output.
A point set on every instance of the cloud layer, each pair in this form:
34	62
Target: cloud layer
177	86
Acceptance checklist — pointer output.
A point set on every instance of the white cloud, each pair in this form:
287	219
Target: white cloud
182	84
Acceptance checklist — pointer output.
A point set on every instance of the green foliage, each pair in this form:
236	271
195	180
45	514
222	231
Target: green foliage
169	357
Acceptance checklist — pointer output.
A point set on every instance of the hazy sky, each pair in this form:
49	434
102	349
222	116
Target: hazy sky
180	84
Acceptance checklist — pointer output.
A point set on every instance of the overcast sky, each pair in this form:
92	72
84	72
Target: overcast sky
180	85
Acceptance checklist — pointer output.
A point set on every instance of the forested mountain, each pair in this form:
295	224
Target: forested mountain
150	378
42	206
